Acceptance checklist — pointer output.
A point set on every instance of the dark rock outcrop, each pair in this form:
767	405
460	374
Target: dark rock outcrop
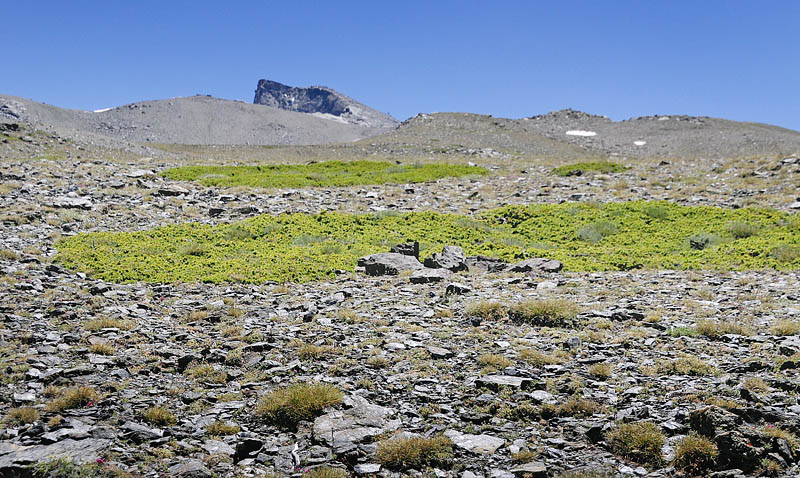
321	100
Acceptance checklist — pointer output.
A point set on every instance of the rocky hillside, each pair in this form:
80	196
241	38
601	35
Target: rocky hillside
563	132
321	101
190	120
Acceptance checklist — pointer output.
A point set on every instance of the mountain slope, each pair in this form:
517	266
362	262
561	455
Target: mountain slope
189	120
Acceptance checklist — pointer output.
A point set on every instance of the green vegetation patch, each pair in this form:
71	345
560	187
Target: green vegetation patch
579	169
327	173
304	247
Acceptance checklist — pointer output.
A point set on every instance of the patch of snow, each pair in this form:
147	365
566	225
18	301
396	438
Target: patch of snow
640	143
663	118
104	109
578	132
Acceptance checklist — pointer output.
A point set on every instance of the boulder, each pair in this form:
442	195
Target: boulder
451	258
483	444
537	265
388	263
343	430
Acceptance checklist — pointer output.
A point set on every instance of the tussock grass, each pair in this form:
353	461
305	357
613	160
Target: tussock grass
785	327
74	397
714	329
221	428
486	309
160	416
689	365
695	454
415	452
287	406
579	169
640	442
545	312
22	415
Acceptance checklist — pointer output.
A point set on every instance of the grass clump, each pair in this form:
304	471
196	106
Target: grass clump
277	248
73	397
714	329
689	365
325	472
101	348
695	454
785	327
415	452
22	416
545	312
639	441
600	370
221	428
287	406
574	407
323	174
740	229
160	416
486	309
785	253
779	433
494	362
579	169
107	323
540	359
205	372
596	231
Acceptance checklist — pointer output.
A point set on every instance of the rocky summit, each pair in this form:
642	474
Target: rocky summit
320	100
415	356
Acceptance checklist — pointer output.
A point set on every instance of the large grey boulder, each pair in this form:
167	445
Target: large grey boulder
362	421
79	451
483	444
388	263
537	265
451	258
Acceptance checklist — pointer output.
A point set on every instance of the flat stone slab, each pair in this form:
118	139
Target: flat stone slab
342	430
427	276
538	265
496	382
388	263
534	469
79	451
483	444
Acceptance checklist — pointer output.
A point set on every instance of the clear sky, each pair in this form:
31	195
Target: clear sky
726	58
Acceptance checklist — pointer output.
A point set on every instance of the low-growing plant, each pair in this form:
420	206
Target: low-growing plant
741	230
785	253
325	472
715	329
596	231
494	362
776	432
66	468
107	323
755	384
102	348
539	358
578	169
574	407
205	372
415	452
22	416
158	415
486	309
683	332
222	428
785	327
326	173
287	406
545	312
639	441
74	397
657	211
600	370
688	365
703	241
695	454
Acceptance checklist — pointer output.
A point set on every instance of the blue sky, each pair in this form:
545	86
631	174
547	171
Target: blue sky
725	58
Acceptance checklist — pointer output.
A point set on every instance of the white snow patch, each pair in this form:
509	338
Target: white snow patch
640	143
579	132
104	109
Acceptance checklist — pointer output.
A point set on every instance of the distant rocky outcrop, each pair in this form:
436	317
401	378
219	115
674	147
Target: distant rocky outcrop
320	100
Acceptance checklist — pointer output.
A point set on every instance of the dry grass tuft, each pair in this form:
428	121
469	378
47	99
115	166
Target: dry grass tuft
287	406
415	452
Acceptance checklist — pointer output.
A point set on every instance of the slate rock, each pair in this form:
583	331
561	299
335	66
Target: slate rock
342	430
495	382
534	469
451	258
79	451
388	263
407	249
190	469
455	288
482	444
68	202
427	276
537	265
